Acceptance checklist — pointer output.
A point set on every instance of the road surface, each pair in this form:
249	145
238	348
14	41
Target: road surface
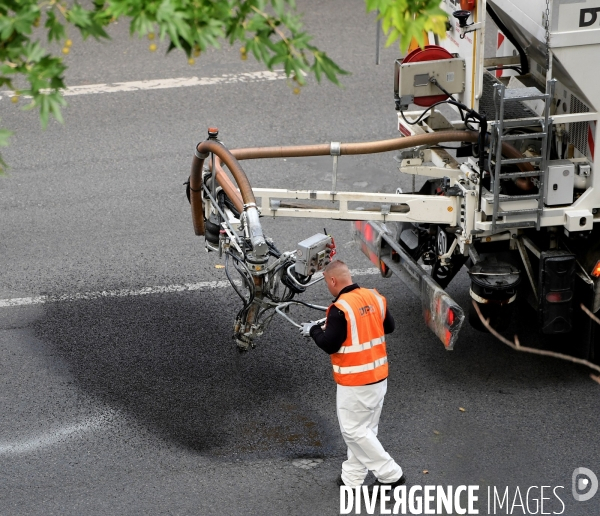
120	388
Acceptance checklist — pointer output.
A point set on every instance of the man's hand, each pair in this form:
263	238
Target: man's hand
305	329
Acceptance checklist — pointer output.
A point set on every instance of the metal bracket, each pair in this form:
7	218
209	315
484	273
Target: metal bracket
528	267
335	149
444	257
385	210
469	28
455	191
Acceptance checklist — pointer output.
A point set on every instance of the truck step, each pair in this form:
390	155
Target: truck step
531	173
523	122
526	224
517	212
529	136
524	94
515	161
511	198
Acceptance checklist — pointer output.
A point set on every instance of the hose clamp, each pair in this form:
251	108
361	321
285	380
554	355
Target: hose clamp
200	155
484	301
335	148
249	205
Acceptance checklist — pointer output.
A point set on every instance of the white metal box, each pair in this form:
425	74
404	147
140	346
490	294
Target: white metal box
414	79
579	220
312	254
559	182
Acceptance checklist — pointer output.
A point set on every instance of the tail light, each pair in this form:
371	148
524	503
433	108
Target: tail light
447	338
450	317
368	232
556	283
559	297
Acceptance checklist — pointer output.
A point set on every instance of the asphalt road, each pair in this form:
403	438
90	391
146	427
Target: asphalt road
140	404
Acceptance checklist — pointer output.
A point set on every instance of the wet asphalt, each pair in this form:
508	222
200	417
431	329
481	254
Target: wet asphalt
141	404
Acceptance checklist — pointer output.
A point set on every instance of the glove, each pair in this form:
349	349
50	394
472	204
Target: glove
305	329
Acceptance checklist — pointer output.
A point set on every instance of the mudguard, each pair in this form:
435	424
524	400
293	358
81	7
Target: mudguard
441	313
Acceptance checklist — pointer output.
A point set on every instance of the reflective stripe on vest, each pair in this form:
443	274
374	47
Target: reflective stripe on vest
355	348
360	368
362	358
380	303
353	326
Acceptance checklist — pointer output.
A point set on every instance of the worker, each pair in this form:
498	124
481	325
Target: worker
354	336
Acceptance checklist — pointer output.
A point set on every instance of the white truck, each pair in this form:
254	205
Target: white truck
512	192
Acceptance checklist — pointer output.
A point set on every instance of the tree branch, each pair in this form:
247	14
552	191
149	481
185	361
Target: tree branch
517	346
591	315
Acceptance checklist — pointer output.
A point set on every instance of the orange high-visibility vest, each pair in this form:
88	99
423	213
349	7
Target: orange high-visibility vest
362	358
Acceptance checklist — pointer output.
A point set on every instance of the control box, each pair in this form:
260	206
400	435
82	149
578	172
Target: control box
313	254
414	79
559	183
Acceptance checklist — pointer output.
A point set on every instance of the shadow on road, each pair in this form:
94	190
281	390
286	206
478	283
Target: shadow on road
169	362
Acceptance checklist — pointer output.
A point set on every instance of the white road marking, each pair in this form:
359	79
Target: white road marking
161	84
55	436
161	289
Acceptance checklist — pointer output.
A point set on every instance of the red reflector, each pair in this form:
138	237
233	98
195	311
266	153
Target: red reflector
447	338
368	232
596	270
403	130
450	317
383	267
467	5
557	297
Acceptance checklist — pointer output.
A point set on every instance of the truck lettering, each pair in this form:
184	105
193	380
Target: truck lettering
593	12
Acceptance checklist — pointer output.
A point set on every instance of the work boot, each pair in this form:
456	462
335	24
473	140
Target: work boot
400	482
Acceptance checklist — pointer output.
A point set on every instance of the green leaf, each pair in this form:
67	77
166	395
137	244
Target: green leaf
56	30
270	29
5	135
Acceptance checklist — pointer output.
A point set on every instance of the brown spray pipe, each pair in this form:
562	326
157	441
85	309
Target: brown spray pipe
228	187
230	158
324	149
404	142
201	153
259	244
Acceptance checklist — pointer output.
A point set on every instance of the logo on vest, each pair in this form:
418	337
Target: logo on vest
365	310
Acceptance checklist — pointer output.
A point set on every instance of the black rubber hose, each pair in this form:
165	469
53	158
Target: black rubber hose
511	38
238	292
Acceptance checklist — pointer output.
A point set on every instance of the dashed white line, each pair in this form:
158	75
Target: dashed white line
54	437
161	84
161	289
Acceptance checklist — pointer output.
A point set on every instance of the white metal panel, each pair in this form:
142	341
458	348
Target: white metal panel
580	15
471	48
583	65
423	208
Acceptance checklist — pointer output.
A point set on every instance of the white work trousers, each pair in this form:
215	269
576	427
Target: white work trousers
358	410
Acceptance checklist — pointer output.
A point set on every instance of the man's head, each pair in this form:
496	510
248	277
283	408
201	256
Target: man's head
337	276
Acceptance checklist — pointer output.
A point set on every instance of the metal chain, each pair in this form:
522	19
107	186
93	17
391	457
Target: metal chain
547	27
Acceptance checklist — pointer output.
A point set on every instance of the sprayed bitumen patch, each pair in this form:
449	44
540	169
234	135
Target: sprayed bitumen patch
169	363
